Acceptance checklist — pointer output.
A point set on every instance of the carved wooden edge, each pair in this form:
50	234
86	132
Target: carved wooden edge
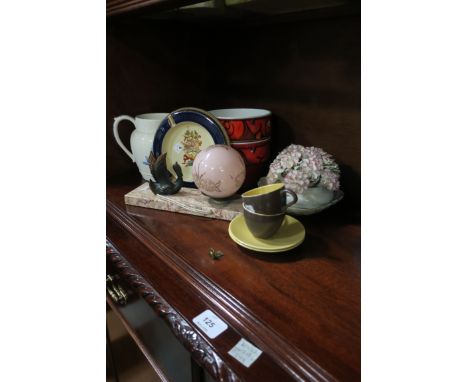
200	350
290	358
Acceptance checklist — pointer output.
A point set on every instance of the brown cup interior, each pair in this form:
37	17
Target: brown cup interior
266	199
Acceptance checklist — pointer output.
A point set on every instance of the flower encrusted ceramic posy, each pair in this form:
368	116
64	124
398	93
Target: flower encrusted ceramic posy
300	167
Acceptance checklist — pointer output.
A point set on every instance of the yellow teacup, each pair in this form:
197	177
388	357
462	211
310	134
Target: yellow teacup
270	199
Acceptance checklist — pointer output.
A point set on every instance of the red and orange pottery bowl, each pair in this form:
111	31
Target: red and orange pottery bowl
245	124
256	155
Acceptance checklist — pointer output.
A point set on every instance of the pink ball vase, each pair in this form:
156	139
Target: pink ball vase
218	171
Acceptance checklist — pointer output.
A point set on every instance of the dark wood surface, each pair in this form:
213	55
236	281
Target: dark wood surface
307	72
302	308
182	329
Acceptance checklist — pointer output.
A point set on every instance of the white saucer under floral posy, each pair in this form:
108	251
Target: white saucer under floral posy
312	200
290	235
310	209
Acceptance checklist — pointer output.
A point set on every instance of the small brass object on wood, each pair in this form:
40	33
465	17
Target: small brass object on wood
215	255
162	184
116	292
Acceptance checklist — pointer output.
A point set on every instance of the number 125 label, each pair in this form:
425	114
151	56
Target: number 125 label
210	323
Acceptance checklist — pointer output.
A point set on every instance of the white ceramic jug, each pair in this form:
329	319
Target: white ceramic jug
141	140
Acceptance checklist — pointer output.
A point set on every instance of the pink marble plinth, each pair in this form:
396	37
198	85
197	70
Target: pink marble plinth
187	201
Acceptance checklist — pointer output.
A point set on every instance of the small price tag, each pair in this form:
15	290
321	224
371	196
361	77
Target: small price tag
245	352
210	323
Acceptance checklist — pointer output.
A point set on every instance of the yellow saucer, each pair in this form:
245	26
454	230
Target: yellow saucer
289	236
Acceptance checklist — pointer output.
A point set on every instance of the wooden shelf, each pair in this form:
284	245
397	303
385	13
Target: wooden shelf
301	60
301	308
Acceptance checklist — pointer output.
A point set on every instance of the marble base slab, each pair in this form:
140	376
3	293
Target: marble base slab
187	201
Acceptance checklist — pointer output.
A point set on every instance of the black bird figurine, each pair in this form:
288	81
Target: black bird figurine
163	184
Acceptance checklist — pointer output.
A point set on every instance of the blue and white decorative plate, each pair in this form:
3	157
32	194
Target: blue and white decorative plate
183	134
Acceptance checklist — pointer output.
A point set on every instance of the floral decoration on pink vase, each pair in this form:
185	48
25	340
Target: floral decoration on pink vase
218	171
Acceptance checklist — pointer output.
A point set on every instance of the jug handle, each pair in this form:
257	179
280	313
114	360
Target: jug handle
117	120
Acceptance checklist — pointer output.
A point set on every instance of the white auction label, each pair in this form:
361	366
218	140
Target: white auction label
210	323
245	352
